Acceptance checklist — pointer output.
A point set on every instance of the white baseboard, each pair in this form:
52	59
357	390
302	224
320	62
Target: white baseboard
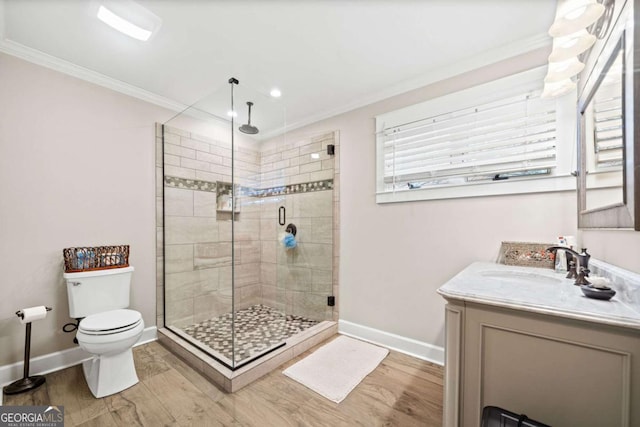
59	360
415	348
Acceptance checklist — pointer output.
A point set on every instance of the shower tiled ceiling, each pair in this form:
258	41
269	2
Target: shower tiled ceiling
326	56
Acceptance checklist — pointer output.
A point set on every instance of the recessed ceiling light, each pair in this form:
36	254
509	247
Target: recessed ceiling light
129	18
275	92
232	113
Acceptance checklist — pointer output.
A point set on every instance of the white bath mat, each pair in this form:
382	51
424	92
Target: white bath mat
338	367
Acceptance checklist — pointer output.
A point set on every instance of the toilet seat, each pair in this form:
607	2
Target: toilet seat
110	322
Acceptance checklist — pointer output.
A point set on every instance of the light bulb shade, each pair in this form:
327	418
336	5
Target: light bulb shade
554	90
575	15
559	71
571	45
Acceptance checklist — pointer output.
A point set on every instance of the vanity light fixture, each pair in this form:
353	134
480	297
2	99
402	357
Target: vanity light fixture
571	45
575	15
129	18
559	71
552	90
571	31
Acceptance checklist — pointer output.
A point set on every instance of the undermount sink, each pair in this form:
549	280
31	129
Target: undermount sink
520	276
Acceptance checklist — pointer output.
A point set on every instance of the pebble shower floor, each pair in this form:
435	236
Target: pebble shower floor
257	328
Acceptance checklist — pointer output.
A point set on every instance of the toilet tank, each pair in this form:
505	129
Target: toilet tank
92	292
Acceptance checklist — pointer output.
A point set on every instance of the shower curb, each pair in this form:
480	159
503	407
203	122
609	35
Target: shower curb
232	381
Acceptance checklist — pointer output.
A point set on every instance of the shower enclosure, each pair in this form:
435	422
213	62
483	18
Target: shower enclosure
238	283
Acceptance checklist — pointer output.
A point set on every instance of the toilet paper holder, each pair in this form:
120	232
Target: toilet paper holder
20	314
27	382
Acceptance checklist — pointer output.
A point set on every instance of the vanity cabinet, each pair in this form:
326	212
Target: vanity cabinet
556	370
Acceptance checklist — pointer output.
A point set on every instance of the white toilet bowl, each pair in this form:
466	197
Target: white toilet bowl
109	336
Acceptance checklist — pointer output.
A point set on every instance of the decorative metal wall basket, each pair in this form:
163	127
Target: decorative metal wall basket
95	258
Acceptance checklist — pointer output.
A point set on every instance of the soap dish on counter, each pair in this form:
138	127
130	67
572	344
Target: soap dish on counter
597	293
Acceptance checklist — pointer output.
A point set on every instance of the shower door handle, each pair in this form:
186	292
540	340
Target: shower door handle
282	215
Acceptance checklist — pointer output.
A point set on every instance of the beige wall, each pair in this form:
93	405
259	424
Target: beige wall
76	168
617	247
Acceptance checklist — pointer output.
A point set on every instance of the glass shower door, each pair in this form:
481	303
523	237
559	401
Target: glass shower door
304	273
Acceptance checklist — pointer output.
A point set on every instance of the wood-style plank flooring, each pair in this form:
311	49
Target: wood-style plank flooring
402	391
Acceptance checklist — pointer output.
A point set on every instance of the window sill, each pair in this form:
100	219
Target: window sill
522	186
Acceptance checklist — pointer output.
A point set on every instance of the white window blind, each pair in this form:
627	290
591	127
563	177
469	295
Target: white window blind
495	138
508	138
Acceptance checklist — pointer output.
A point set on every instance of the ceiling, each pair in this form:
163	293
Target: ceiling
326	56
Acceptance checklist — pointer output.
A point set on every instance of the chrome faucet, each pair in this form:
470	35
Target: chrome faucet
583	261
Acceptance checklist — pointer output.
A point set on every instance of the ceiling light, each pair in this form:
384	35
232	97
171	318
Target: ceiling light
575	15
122	25
559	71
232	113
571	45
129	18
275	92
552	90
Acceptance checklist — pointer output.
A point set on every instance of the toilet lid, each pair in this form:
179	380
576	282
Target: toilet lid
110	320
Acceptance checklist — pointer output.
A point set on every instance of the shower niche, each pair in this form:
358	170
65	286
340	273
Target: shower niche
232	296
224	202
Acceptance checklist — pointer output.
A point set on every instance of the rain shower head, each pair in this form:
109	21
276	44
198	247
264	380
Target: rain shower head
248	129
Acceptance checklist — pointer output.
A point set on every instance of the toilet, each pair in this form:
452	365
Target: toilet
108	330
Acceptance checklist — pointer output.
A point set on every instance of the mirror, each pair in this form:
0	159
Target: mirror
608	167
603	139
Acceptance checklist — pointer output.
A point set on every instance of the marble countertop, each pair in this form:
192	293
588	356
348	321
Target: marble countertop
544	291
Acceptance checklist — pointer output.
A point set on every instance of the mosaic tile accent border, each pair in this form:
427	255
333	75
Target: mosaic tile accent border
526	254
189	184
195	184
305	187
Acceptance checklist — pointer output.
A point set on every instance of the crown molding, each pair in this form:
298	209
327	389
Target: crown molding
43	59
486	58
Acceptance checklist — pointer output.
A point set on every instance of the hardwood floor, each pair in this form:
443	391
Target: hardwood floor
401	391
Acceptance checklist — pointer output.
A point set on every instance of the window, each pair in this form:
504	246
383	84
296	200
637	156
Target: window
498	138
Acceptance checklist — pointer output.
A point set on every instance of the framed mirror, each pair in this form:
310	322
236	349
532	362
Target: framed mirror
609	167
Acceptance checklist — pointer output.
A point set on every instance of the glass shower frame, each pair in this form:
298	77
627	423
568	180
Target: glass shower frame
249	193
